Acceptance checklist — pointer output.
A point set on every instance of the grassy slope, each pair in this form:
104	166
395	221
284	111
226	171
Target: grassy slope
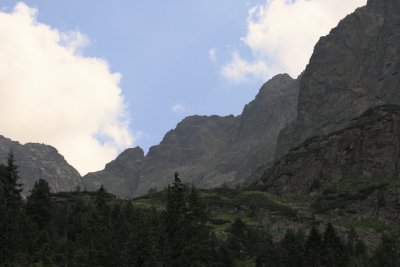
336	202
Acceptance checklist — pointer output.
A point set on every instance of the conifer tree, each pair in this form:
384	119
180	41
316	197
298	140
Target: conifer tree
333	249
10	224
238	239
39	204
39	210
292	255
313	249
175	211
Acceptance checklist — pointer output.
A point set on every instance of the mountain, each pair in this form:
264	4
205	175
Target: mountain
208	151
39	161
369	147
339	159
125	176
351	174
355	67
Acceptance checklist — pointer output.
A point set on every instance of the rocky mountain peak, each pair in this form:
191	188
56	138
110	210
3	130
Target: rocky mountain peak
130	154
39	161
355	67
209	151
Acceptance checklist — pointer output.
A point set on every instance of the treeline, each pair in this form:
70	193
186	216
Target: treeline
96	229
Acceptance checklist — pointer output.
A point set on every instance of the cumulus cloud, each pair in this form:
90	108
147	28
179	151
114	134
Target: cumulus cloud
178	109
50	93
282	34
239	69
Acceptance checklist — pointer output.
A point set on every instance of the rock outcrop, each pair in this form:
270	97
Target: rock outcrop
209	151
39	161
369	148
355	67
125	176
351	175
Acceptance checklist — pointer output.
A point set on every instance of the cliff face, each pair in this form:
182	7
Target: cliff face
125	175
209	151
349	174
369	147
355	67
39	161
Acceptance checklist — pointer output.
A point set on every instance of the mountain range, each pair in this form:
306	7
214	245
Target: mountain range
338	119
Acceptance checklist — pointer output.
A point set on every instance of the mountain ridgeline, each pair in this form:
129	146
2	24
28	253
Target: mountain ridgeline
354	68
208	151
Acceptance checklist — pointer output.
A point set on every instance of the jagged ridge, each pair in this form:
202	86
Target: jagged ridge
209	151
39	161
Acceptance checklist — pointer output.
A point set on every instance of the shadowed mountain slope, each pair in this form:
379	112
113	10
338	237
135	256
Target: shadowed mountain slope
355	67
208	150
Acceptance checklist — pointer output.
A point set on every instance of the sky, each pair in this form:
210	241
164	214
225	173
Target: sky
95	77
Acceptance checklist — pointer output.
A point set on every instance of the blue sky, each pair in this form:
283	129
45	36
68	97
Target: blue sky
161	49
176	58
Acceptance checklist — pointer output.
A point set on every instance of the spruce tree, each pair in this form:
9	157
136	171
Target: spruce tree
11	209
175	211
238	239
333	248
313	249
39	210
292	255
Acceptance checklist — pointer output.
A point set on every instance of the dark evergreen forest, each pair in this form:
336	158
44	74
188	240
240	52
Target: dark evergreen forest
97	229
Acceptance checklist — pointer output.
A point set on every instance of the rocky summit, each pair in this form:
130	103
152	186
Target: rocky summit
208	151
39	161
355	67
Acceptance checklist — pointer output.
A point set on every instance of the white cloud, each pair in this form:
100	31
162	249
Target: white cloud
282	33
50	93
212	55
239	69
178	109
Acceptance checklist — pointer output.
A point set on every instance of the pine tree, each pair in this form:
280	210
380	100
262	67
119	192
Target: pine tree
39	210
313	249
291	250
175	211
186	226
238	239
11	209
356	250
197	244
333	248
39	204
101	230
266	252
